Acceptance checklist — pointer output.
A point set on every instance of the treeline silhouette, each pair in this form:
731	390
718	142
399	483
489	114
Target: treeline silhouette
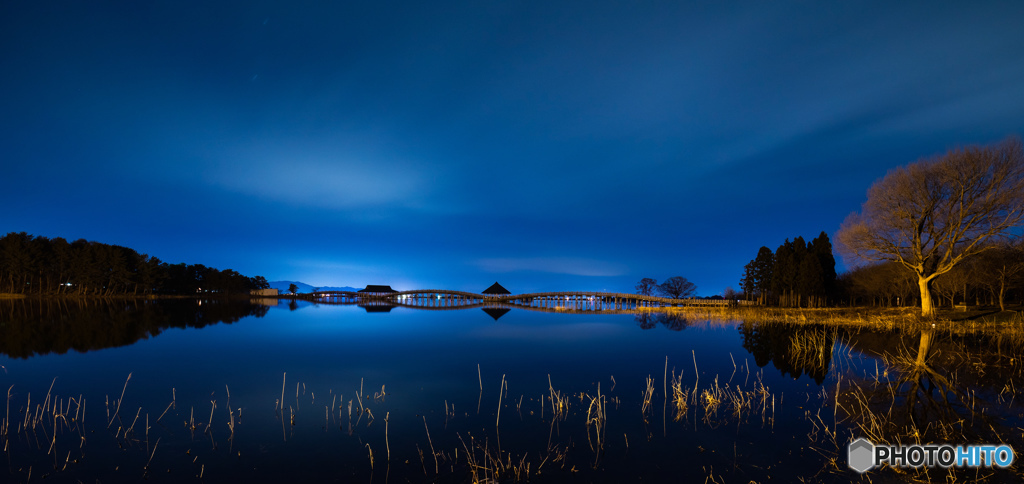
800	274
39	326
797	274
39	265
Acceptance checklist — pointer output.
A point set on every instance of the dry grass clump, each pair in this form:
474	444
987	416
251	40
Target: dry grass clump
559	403
813	349
647	396
597	423
488	465
680	397
740	403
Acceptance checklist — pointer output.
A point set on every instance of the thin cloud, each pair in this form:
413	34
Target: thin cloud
555	265
320	175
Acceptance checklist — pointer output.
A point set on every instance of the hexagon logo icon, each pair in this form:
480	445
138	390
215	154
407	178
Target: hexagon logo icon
861	455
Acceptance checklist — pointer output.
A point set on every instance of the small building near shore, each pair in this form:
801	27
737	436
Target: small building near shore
375	290
264	292
496	290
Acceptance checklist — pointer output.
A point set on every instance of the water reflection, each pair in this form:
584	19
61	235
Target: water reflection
913	386
377	308
793	350
937	387
496	313
34	327
672	321
425	395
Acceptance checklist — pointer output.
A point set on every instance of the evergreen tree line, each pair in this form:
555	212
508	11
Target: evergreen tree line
797	274
39	265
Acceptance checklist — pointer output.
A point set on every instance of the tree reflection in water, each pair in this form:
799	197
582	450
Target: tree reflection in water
929	387
40	326
794	350
949	389
927	393
651	319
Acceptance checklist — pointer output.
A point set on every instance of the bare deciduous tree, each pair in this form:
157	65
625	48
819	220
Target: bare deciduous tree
646	286
951	284
931	215
677	287
1001	269
730	294
883	284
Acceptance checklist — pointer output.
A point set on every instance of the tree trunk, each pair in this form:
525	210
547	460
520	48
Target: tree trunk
923	348
1002	290
927	310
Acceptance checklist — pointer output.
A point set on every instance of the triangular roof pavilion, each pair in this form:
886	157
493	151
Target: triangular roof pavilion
496	289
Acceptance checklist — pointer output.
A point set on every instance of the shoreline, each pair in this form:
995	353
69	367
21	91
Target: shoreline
977	321
983	320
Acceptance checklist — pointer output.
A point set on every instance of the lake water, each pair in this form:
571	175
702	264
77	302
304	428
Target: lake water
411	395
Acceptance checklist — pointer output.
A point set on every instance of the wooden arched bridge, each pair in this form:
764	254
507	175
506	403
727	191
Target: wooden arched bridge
553	301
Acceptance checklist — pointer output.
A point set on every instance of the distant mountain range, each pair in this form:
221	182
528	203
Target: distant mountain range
282	286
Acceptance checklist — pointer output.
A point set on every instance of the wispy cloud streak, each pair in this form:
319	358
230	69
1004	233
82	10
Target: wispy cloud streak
556	265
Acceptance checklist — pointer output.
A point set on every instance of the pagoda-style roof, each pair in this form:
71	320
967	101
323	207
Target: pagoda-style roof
496	289
370	288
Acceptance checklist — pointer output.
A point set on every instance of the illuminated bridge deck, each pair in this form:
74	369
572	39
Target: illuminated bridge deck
554	301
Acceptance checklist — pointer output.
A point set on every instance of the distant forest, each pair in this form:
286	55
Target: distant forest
39	265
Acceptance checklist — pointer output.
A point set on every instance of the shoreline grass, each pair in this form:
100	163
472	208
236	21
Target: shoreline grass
978	321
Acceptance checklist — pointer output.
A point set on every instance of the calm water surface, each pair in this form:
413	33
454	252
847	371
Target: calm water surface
395	385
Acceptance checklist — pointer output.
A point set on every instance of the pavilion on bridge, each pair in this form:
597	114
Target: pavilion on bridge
374	290
496	290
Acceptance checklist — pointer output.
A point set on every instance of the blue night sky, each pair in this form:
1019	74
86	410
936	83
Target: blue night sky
545	145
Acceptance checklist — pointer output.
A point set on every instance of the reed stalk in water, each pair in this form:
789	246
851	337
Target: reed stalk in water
119	400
